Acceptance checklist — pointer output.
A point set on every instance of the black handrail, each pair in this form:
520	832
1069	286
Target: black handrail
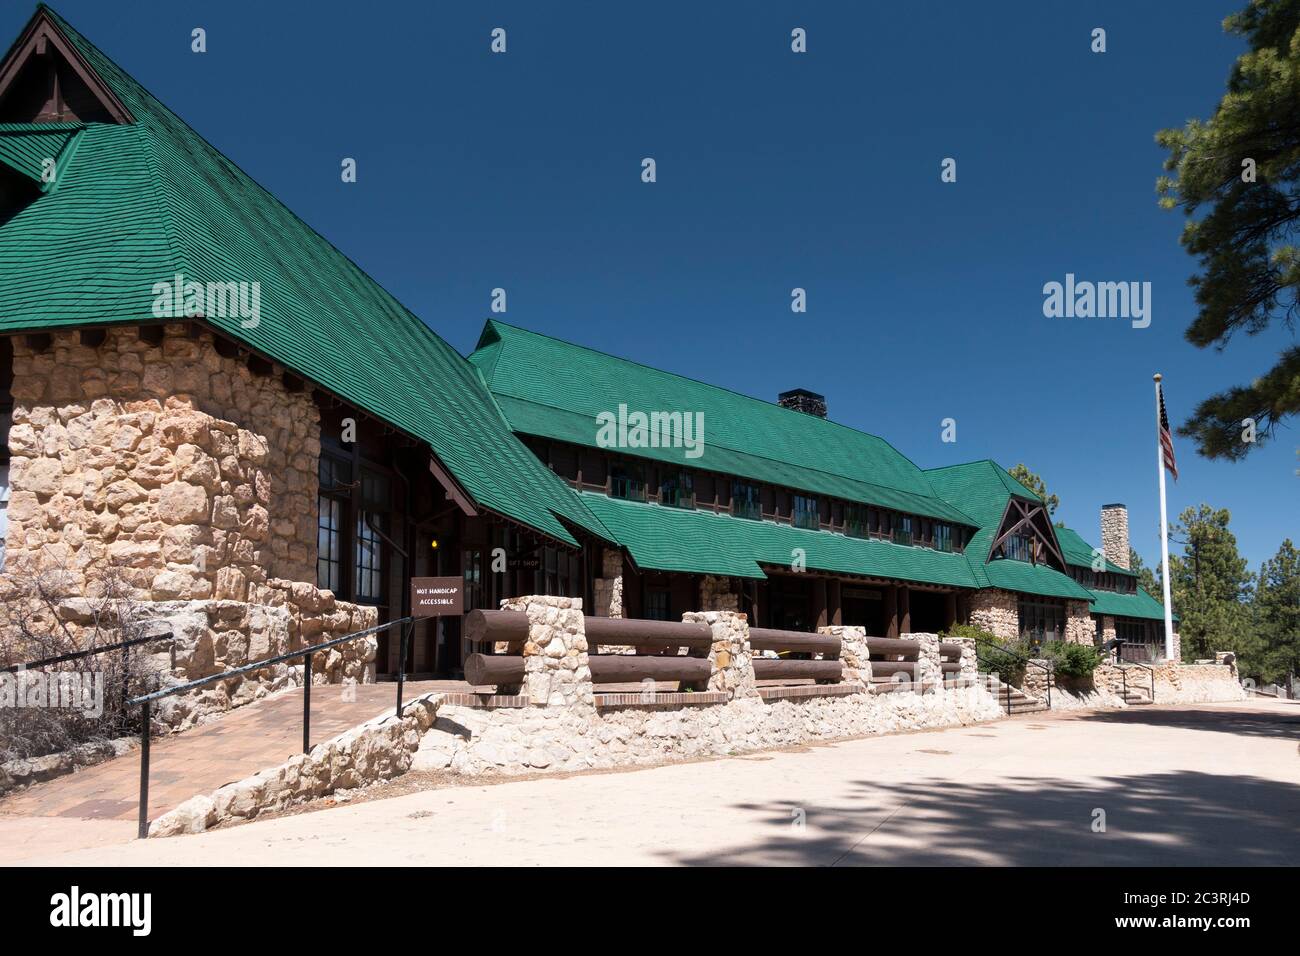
75	655
145	700
1051	670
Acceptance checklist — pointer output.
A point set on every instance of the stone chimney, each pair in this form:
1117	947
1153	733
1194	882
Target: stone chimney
1114	534
802	400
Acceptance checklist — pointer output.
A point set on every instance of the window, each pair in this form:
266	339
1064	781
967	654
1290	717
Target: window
1140	641
806	512
626	481
370	558
745	500
677	490
369	564
1018	547
855	521
942	536
335	476
656	604
1042	621
903	530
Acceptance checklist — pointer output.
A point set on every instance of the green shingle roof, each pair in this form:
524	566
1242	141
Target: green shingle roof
984	489
554	389
701	542
25	147
138	204
1140	604
1079	552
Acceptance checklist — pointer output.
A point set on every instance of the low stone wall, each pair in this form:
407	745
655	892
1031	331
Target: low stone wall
1176	683
527	740
210	636
20	774
570	731
376	750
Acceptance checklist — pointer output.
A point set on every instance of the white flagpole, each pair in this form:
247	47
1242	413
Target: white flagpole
1164	534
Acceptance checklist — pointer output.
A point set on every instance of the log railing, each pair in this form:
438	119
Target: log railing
826	670
891	656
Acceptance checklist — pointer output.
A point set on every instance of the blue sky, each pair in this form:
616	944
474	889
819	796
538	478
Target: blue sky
775	171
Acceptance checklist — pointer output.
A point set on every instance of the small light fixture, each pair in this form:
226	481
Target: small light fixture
433	544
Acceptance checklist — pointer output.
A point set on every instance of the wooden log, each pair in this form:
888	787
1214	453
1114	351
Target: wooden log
635	632
948	649
951	667
632	668
890	668
482	669
891	645
768	639
768	669
508	626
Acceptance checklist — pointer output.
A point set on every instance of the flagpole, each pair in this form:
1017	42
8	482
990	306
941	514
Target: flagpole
1164	534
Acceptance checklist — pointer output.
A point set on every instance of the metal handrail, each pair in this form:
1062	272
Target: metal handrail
1051	670
145	700
121	645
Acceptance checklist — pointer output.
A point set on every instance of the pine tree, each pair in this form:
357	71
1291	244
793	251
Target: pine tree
1236	176
1035	484
1277	616
1210	584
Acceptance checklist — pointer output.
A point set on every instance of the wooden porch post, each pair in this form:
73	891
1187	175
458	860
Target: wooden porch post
949	610
891	612
833	601
819	602
905	611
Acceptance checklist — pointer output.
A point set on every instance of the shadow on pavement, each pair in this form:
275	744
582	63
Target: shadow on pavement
1167	819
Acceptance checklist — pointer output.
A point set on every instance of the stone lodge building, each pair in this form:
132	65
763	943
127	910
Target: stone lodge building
199	391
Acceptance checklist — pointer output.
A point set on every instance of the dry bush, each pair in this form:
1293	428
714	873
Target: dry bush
42	617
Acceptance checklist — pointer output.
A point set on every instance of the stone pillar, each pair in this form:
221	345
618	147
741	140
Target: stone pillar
1178	647
556	672
730	655
608	587
1080	628
716	594
995	611
929	669
1114	534
969	666
854	653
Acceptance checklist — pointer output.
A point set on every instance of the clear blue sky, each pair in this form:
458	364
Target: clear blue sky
775	170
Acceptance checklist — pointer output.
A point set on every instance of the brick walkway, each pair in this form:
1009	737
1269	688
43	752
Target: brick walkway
201	760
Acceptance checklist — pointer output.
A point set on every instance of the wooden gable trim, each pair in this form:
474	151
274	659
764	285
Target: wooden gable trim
1028	514
36	40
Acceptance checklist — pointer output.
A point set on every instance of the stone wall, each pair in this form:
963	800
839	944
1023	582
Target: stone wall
376	750
996	611
191	483
1175	682
716	594
1080	628
1114	534
608	587
855	655
182	467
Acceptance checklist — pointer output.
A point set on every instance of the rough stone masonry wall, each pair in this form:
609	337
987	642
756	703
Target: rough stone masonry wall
1114	534
1175	682
569	734
716	594
1080	628
996	611
196	480
608	588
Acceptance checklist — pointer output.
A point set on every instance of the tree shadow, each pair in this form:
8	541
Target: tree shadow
1167	819
1283	722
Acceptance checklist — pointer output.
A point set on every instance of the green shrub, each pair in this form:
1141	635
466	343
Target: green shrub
994	655
1072	660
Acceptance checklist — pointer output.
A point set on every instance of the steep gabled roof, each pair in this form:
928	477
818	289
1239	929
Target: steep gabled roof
555	389
141	202
984	489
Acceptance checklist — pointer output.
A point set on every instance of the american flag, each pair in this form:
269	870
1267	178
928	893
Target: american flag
1166	440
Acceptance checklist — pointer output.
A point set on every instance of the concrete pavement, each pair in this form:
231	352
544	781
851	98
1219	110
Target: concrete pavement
1204	784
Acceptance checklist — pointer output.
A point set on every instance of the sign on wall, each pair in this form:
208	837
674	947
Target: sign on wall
437	597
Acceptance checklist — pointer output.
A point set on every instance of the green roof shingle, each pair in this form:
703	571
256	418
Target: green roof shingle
140	203
554	389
